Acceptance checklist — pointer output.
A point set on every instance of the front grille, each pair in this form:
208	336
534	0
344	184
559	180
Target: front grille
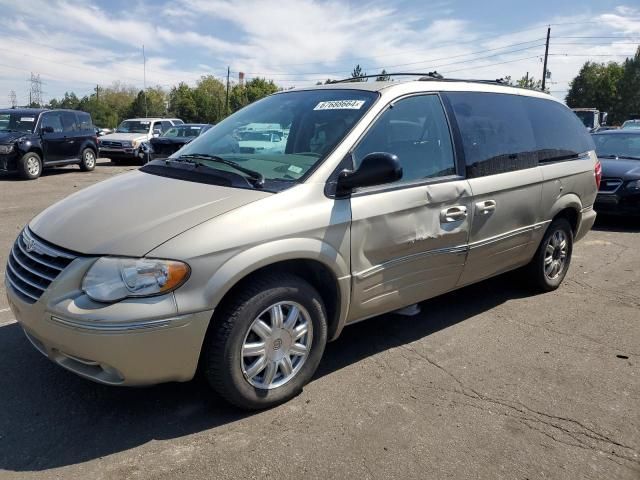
110	144
609	185
33	264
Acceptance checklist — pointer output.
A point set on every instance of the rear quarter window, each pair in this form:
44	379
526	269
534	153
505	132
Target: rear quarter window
559	133
84	120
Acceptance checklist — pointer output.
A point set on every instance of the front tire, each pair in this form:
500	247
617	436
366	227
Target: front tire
266	343
553	257
88	160
30	166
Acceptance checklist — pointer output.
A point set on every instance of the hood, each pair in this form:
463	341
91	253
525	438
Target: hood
626	169
9	137
170	140
135	212
124	136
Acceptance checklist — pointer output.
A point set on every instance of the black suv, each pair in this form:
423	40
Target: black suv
32	139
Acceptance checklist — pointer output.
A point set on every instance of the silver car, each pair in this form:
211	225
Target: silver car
242	263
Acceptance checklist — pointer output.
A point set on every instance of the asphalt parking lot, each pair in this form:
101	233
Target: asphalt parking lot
490	382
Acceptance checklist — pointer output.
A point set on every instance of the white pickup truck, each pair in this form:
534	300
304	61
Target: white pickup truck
125	142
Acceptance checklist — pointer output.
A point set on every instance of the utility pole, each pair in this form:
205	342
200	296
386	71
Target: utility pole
226	102
97	93
546	55
144	79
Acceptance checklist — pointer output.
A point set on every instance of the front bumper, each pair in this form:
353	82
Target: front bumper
101	342
9	162
125	153
619	203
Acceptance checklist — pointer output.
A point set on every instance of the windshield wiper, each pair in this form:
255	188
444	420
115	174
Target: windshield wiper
256	177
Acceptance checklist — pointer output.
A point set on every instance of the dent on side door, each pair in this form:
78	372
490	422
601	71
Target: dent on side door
404	249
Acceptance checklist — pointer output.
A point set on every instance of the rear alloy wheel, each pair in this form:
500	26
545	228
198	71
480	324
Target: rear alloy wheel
551	261
88	160
266	343
30	166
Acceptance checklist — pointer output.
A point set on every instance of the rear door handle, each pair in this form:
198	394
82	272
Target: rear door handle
486	207
453	214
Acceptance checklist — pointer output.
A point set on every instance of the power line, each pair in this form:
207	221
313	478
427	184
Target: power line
494	64
380	67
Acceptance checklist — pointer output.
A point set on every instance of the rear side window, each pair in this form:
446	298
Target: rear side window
84	120
560	134
497	135
69	122
416	130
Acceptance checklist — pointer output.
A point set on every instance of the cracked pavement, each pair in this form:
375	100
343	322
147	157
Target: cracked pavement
490	382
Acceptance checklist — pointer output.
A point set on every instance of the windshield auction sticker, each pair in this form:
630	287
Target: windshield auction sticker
340	105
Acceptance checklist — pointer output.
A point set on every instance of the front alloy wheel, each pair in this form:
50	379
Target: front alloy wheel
276	345
266	341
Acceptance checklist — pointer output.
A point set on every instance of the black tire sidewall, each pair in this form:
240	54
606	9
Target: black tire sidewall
24	171
226	359
543	281
83	165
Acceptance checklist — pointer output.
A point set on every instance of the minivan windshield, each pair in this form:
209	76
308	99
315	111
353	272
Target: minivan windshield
134	126
623	145
281	137
17	122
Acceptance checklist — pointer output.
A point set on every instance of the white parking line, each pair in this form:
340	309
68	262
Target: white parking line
10	322
4	310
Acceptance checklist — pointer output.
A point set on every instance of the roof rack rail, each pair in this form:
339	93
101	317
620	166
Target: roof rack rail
429	76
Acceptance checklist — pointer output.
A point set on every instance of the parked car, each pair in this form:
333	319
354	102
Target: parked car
631	124
619	153
171	141
592	118
246	264
34	139
103	131
125	142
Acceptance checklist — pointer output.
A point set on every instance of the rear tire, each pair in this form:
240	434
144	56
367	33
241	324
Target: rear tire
266	343
553	257
88	160
30	166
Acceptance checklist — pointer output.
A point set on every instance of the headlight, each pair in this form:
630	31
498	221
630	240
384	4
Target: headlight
126	144
6	149
111	278
633	185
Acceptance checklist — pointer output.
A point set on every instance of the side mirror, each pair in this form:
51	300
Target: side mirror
46	130
376	168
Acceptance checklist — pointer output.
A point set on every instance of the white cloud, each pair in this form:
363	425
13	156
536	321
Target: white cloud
295	42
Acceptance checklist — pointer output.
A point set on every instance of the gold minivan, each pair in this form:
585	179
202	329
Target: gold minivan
241	256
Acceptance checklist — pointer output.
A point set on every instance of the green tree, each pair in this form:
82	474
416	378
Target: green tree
253	90
357	74
153	104
209	97
597	86
182	103
383	77
629	89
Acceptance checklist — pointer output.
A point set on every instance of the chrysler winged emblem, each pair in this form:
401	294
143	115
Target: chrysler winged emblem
30	244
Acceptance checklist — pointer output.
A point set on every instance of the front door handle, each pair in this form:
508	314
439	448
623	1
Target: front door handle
486	207
453	214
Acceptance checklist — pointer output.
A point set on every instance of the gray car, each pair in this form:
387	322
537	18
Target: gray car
243	263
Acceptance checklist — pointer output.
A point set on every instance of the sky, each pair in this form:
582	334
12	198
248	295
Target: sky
75	45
